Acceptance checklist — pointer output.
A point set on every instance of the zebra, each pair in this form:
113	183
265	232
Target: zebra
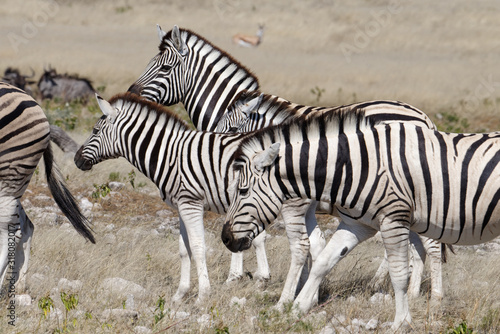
186	165
24	139
253	110
391	178
189	69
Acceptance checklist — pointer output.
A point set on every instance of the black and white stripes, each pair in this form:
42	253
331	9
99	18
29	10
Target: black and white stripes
189	69
189	167
390	177
24	139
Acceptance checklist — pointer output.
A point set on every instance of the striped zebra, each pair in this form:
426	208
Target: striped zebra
187	166
253	110
24	139
190	70
391	178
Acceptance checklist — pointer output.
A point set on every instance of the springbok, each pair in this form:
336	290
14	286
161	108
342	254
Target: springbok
249	41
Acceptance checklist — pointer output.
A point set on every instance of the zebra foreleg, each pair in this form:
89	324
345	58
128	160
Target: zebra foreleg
299	247
341	243
185	255
191	214
263	274
316	240
236	268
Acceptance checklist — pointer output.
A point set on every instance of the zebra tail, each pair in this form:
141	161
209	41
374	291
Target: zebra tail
64	198
444	247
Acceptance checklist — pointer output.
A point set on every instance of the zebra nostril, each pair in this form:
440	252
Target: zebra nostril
226	235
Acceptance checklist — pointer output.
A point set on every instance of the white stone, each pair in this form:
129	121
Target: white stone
180	315
371	325
23	300
380	298
122	287
129	303
327	330
205	320
238	301
85	204
115	185
142	330
67	285
109	239
56	314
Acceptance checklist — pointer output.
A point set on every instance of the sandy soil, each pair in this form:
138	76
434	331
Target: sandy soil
426	53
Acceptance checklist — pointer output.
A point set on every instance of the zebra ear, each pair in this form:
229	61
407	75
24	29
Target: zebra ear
106	108
252	106
161	33
179	43
266	158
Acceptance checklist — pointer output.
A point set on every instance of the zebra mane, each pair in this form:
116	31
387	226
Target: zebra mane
192	37
342	121
272	105
129	99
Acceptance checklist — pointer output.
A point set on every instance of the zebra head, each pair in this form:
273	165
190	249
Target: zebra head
101	143
164	79
240	112
255	202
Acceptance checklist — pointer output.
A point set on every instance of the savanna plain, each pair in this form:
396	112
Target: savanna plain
441	57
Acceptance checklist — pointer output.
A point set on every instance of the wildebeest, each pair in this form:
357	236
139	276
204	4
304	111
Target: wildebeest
63	86
15	78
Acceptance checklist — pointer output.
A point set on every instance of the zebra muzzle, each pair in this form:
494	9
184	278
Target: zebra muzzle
81	162
233	244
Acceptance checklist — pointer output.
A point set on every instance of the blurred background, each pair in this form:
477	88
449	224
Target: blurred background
440	56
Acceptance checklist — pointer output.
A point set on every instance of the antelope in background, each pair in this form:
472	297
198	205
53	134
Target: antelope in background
249	41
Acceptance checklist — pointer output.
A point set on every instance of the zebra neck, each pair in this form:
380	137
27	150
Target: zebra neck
214	79
155	149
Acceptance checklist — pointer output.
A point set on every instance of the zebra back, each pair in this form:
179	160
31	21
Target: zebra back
252	110
185	164
191	70
24	137
444	185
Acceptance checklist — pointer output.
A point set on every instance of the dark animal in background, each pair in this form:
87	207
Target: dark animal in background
63	86
15	78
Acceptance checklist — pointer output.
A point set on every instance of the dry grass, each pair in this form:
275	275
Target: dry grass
152	261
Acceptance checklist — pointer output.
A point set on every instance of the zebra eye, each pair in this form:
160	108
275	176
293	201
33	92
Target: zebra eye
233	129
243	191
166	68
95	131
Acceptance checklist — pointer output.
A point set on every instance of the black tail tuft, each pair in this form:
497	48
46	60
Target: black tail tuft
64	198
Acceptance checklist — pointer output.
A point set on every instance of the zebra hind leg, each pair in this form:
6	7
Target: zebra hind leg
9	225
23	248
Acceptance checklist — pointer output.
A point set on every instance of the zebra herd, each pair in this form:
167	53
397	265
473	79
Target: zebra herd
378	165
